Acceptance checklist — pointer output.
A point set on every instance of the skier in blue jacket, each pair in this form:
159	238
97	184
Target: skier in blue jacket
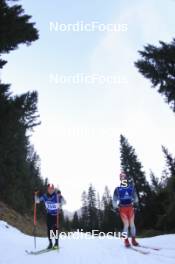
124	200
53	202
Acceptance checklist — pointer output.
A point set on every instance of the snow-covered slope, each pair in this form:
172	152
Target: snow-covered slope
82	251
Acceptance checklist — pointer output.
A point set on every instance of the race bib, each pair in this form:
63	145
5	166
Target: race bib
51	206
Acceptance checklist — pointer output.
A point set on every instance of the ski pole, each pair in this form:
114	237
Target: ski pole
58	217
34	220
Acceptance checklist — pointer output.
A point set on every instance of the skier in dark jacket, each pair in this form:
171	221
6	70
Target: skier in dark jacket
53	202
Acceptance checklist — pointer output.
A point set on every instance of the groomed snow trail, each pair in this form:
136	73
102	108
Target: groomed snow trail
82	251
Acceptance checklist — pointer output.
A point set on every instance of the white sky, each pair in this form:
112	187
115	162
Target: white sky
78	141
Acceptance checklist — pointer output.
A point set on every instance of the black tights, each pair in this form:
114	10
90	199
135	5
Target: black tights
52	225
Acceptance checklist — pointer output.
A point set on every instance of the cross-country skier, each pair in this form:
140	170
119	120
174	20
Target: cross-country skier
53	202
124	200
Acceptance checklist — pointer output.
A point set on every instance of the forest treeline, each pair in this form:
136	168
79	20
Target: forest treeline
155	212
19	162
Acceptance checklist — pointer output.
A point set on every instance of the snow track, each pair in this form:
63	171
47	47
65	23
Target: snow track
82	251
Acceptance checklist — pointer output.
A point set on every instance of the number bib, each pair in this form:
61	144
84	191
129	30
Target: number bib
51	206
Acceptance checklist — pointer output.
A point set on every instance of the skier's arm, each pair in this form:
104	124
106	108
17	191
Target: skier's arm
62	201
115	200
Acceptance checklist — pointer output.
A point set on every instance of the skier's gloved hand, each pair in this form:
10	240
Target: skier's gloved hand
59	206
136	209
115	204
117	210
135	205
36	199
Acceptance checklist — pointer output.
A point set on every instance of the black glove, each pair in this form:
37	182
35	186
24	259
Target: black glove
116	210
136	209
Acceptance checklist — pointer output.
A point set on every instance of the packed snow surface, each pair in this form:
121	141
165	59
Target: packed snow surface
82	251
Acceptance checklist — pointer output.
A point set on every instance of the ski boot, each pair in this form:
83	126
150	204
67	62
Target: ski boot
134	242
50	245
126	242
56	244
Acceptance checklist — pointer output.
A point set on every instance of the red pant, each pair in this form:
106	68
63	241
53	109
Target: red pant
127	213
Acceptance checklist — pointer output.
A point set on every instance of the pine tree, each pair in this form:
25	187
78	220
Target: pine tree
15	28
158	65
155	183
84	212
99	211
131	165
169	193
75	222
108	216
19	163
19	168
134	169
67	225
92	209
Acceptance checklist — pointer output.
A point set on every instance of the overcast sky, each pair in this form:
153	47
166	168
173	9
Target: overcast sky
78	140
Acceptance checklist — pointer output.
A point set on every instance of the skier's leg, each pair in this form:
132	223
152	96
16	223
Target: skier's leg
49	228
131	221
132	226
124	218
55	229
